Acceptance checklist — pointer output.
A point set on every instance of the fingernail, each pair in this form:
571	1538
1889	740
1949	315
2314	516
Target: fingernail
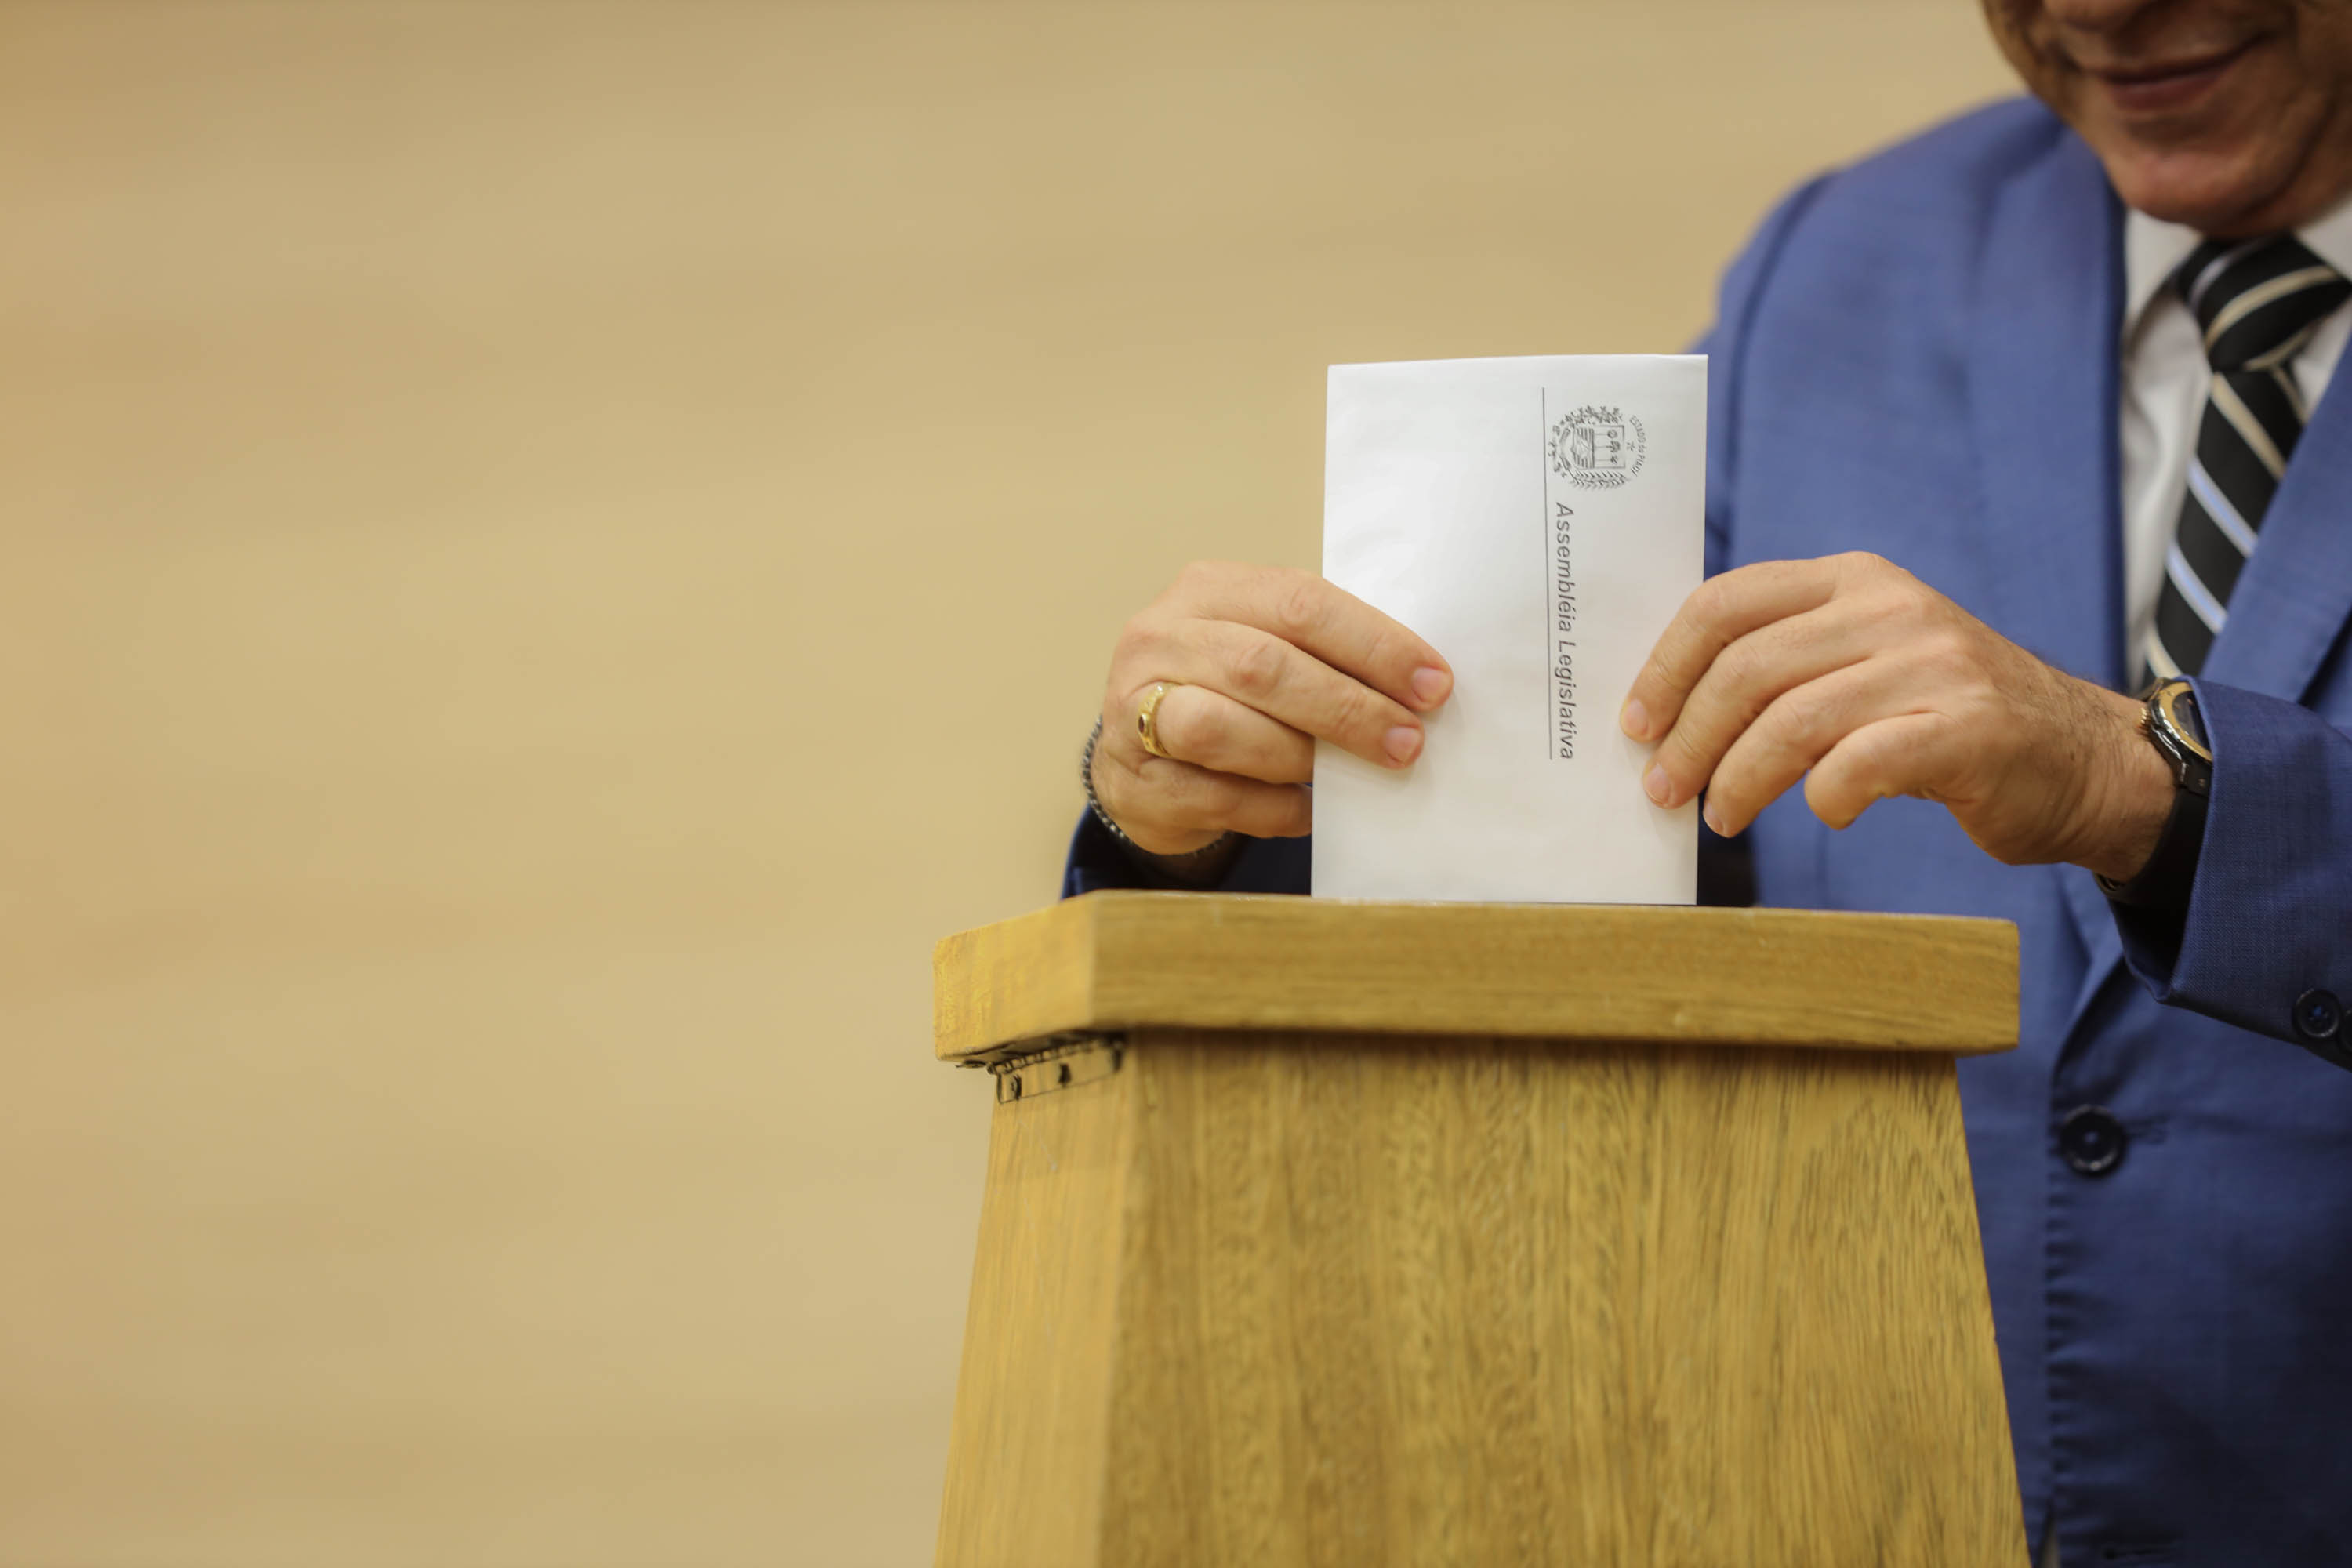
1656	786
1713	823
1636	718
1431	685
1403	742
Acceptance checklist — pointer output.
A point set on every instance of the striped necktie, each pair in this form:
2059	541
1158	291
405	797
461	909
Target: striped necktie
2257	302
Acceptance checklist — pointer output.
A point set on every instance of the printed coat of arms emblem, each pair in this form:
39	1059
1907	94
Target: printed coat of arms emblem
1598	448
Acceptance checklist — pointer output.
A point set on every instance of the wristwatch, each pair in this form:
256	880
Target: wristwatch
2170	721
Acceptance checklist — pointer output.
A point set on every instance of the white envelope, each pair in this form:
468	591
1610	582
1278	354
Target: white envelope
1539	520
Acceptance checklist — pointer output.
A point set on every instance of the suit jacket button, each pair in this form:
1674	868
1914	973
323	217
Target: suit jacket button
2092	1139
2318	1015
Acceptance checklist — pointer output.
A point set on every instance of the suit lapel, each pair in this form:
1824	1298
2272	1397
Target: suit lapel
2043	369
2291	600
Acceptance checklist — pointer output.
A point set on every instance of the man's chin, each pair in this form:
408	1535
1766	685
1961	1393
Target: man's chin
2224	192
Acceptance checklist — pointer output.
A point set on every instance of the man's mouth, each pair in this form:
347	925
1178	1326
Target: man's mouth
2165	86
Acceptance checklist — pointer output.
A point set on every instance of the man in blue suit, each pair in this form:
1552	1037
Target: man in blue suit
2006	423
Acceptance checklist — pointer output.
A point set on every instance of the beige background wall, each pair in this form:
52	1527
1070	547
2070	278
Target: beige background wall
547	551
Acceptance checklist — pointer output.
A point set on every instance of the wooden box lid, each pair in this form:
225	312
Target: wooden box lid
1113	961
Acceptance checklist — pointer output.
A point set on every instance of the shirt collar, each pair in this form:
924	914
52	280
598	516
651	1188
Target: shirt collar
2153	249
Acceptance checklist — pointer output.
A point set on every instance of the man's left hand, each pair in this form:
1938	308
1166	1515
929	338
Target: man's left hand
1853	675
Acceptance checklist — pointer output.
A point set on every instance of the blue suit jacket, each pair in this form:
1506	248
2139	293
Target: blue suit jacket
1919	356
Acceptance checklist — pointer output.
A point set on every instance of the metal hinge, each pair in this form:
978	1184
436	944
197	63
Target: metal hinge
1059	1061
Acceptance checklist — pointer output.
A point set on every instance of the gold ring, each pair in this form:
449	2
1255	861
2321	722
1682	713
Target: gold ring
1147	718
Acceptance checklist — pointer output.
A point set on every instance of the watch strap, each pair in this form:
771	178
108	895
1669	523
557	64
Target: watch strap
2170	874
2171	724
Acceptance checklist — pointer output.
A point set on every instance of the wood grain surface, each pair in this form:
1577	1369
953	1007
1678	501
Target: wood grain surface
1037	1350
1489	1303
1794	977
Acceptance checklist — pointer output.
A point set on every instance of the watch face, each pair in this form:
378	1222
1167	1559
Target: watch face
2171	723
2174	722
2184	715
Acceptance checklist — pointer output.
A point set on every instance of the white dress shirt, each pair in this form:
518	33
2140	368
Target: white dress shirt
2165	378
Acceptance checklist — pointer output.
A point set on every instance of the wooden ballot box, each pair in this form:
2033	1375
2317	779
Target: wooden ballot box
1356	1234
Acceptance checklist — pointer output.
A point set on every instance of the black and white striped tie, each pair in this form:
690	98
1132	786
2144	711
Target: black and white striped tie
2257	302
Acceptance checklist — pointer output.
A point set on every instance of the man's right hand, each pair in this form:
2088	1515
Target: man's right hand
1261	662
